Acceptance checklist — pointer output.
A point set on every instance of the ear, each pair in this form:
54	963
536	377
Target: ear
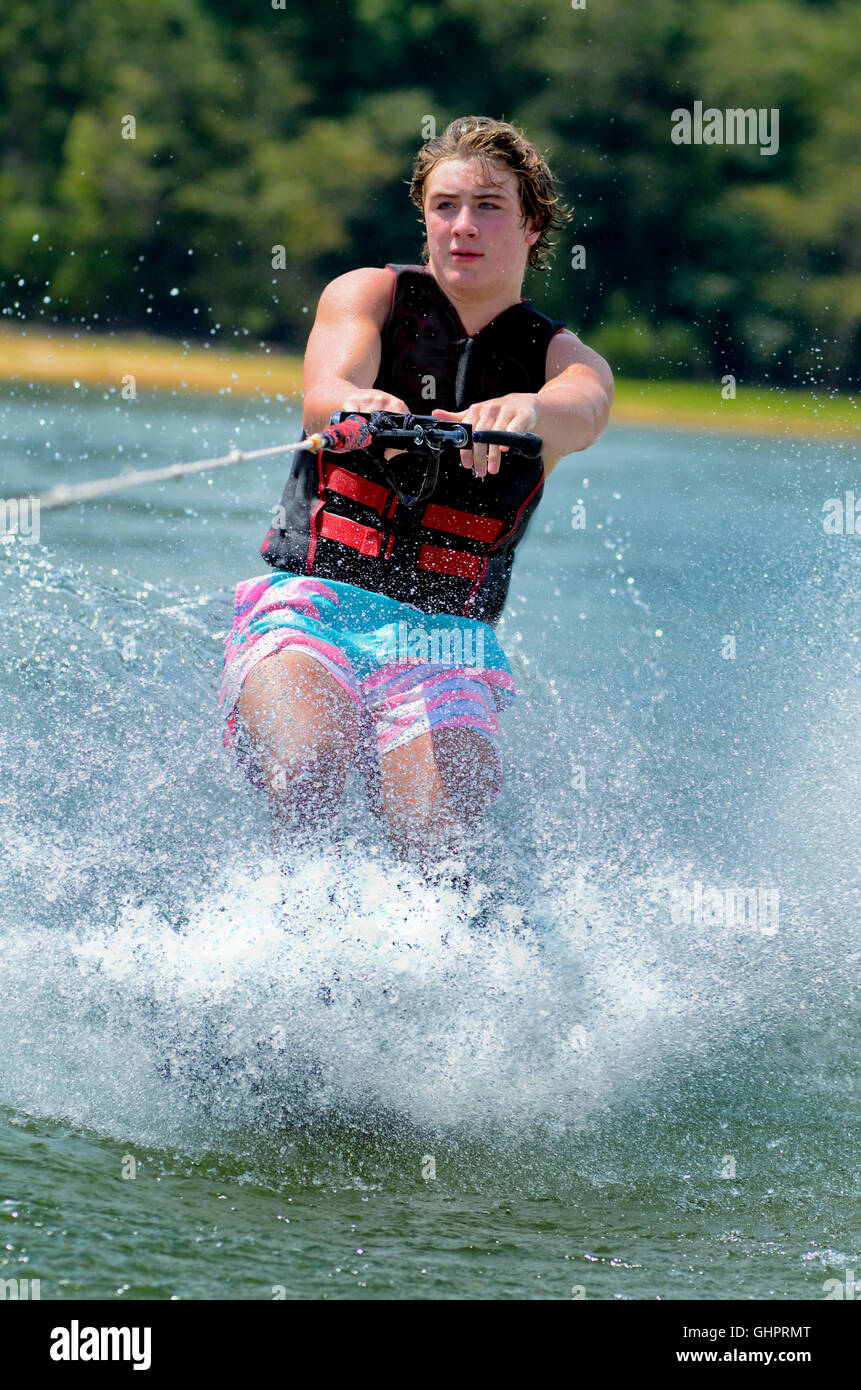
531	238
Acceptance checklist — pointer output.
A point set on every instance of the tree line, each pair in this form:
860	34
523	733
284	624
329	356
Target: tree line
153	158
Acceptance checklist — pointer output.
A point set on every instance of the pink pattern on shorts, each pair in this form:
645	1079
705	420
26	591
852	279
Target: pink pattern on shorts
255	598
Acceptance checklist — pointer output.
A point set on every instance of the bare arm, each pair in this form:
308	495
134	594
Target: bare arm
569	412
343	353
574	402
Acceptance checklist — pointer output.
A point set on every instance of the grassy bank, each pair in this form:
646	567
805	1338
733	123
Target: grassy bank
64	355
755	410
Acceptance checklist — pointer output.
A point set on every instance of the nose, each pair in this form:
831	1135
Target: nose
463	223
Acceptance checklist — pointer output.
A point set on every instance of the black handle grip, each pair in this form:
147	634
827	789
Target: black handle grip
389	428
528	444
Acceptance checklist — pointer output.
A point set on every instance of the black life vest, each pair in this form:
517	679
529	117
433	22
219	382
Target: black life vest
341	518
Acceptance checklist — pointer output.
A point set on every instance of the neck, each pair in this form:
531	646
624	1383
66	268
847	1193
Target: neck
479	307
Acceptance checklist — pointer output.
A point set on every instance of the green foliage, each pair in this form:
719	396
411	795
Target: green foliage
258	127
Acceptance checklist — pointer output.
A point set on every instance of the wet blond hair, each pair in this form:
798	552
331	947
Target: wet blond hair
498	142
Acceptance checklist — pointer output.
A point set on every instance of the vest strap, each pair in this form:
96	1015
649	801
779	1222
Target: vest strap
467	524
341	480
455	562
366	539
369	541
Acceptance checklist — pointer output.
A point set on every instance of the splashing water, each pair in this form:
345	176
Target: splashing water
157	991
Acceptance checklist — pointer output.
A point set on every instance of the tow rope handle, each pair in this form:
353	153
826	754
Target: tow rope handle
346	430
422	431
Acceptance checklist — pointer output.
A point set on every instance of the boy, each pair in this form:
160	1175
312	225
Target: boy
365	548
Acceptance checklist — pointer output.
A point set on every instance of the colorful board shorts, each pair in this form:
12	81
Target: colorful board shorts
406	671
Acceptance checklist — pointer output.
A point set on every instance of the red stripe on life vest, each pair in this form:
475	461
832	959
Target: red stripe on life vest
520	509
316	511
454	562
473	593
365	539
475	528
352	485
316	514
394	275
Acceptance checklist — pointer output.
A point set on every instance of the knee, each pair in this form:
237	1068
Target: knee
302	726
436	788
468	768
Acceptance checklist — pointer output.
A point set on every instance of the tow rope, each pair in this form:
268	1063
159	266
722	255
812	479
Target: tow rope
352	434
347	431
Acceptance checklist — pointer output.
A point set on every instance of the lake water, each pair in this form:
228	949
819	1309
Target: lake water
629	1067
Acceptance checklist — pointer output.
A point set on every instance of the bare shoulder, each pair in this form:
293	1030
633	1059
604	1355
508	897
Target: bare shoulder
366	292
567	350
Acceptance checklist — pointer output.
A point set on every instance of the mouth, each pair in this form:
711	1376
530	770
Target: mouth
466	256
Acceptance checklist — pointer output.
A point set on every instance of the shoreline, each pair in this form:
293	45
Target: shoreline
63	356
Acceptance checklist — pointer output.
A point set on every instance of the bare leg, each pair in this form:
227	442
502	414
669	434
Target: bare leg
435	790
304	729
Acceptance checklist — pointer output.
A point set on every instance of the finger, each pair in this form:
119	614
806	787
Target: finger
497	450
464	417
477	455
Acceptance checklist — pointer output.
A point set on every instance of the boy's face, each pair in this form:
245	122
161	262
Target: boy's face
475	226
